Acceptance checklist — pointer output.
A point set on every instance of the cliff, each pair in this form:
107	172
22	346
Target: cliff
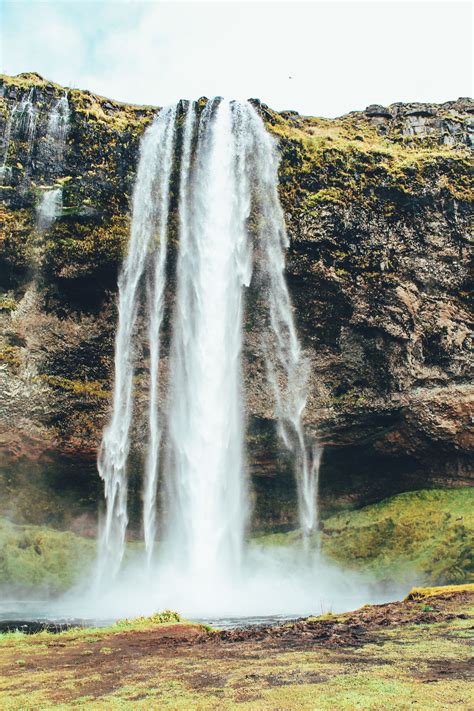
377	205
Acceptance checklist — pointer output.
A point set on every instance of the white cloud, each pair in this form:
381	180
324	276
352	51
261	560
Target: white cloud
42	38
340	56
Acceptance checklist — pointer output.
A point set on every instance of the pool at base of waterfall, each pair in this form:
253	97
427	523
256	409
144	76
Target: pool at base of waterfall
31	616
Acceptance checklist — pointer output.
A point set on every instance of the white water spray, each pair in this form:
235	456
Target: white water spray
48	208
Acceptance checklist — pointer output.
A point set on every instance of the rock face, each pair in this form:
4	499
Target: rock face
377	206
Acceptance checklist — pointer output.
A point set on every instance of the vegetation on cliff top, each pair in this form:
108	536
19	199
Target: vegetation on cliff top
338	162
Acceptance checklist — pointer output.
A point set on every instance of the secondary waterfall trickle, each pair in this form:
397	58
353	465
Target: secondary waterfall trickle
222	166
48	208
52	151
58	121
20	123
146	257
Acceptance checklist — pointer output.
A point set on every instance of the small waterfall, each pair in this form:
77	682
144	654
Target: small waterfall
58	122
230	226
5	146
21	123
52	150
286	365
24	118
58	128
155	291
146	253
49	208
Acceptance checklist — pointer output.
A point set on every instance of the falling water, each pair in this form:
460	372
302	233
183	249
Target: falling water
58	128
146	252
48	208
58	121
24	118
21	123
5	146
206	482
286	364
52	149
230	223
156	284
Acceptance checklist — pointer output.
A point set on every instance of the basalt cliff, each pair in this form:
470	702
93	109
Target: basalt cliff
378	210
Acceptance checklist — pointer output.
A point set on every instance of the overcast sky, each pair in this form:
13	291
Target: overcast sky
322	59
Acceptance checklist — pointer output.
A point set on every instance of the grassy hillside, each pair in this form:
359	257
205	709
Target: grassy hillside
425	534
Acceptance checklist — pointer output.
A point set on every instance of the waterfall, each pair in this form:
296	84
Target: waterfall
48	208
57	130
206	482
6	145
230	226
52	151
21	123
155	290
146	253
24	118
58	121
286	365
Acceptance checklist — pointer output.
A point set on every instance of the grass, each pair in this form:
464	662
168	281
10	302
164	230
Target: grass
39	560
95	634
425	535
447	591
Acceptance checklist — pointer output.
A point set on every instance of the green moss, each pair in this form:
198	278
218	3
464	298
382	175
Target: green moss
346	161
9	355
89	388
77	250
37	559
16	237
426	535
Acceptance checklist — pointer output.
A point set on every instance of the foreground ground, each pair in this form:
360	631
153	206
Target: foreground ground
400	655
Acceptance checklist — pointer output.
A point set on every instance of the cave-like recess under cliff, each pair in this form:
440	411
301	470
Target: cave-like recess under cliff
378	208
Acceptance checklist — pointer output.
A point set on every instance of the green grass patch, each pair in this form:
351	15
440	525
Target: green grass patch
40	560
425	535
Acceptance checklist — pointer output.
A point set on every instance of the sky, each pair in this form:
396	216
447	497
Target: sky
318	58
